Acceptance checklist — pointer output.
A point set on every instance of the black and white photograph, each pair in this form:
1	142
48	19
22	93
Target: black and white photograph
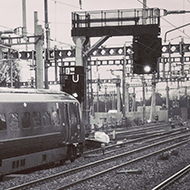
95	95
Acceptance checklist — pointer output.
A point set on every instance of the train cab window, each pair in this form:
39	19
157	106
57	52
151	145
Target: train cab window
47	119
13	121
36	119
25	119
3	124
56	118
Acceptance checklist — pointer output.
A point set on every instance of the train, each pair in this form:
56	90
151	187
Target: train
38	127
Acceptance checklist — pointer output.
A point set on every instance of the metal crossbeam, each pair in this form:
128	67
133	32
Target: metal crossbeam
100	52
148	81
20	40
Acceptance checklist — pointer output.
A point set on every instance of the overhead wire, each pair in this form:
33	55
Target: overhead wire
57	1
65	4
166	20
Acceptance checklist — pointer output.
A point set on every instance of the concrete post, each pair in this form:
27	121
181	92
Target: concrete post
127	98
144	101
118	98
39	58
79	41
153	102
167	98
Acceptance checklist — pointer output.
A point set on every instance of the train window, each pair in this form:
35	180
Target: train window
74	115
25	120
56	118
66	114
36	118
13	121
47	119
2	122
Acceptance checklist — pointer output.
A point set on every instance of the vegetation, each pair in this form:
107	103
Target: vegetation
9	70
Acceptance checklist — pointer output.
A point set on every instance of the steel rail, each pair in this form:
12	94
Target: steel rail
120	165
42	180
173	132
173	178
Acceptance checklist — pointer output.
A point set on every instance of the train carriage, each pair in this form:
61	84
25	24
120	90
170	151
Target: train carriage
38	127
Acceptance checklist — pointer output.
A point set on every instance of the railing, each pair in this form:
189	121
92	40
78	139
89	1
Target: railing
121	17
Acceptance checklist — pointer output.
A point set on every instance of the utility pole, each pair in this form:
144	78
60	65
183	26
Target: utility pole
167	98
38	31
143	80
105	99
97	90
182	56
24	30
124	85
144	12
144	101
153	99
118	96
46	64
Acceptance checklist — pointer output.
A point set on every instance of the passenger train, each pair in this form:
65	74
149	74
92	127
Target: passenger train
38	127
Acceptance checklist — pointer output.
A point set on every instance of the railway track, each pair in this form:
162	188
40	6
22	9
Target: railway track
80	174
153	136
138	131
134	133
174	178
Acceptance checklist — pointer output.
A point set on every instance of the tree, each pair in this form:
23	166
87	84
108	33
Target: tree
8	70
159	100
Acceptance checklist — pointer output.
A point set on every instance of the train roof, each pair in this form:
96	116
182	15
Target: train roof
33	95
31	91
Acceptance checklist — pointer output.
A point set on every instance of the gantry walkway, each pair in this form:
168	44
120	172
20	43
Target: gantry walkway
116	22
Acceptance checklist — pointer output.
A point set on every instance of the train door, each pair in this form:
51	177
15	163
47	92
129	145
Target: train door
65	122
74	122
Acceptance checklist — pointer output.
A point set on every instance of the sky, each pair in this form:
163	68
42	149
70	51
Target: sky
59	16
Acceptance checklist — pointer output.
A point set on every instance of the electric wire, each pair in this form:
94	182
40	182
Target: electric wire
166	20
93	15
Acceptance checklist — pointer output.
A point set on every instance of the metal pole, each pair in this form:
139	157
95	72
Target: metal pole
98	78
182	56
167	98
24	31
105	99
144	12
39	58
144	101
56	64
153	99
170	64
124	84
47	43
144	4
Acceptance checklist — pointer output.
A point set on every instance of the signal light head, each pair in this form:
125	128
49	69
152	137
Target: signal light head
147	68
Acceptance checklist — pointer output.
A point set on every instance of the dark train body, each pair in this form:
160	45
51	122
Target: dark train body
38	127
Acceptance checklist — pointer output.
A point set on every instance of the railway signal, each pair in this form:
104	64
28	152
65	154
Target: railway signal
147	49
72	81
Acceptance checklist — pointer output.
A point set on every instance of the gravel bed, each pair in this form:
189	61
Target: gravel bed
91	183
154	170
96	169
87	172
